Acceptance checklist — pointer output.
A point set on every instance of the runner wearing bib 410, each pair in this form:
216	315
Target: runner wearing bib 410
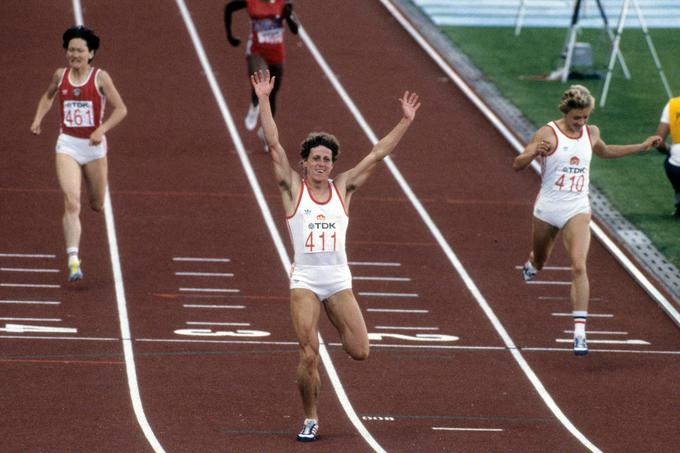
564	178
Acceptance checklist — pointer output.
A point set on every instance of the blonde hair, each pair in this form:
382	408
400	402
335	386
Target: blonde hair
576	97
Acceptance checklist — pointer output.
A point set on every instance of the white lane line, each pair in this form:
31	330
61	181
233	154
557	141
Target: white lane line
17	269
26	255
373	263
547	282
209	290
205	274
31	302
405	328
590	315
28	285
238	307
201	260
591	341
201	323
372	294
448	428
472	287
396	310
383	279
187	340
123	321
269	220
32	319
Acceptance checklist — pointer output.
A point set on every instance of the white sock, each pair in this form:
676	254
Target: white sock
580	317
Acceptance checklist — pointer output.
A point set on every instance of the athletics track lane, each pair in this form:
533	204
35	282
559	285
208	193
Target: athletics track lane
63	377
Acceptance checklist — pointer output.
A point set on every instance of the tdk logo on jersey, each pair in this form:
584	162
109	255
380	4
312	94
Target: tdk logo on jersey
322	225
574	170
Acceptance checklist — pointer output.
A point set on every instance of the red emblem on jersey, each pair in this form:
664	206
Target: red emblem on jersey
321	217
574	160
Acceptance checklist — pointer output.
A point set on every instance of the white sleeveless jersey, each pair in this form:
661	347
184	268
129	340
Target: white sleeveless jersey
318	229
565	173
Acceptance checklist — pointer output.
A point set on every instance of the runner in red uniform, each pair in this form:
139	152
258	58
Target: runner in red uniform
83	93
265	49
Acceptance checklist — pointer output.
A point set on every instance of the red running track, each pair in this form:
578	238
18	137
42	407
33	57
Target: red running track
179	190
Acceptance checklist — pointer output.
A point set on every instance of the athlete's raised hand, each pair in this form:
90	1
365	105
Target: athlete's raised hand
409	105
262	83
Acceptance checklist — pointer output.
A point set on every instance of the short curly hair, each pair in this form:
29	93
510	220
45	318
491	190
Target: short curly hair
315	139
84	33
576	97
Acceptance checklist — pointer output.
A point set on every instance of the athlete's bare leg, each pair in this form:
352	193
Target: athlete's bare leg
344	312
69	174
577	243
543	240
96	173
305	308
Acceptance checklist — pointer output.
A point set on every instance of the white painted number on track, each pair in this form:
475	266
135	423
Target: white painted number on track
417	337
223	333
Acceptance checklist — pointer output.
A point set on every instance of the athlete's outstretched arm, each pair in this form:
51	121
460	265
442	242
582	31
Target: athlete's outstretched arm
263	85
354	178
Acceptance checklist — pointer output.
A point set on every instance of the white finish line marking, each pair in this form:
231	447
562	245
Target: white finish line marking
210	290
385	279
16	269
599	332
25	255
591	341
550	268
547	282
204	260
406	328
396	310
369	294
31	302
590	315
32	319
369	263
239	307
206	274
446	428
28	285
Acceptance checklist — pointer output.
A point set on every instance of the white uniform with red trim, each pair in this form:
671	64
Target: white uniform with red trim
565	178
318	230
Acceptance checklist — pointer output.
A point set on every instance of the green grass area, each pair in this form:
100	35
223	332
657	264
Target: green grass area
636	185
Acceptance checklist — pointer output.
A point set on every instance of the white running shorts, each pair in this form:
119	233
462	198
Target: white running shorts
80	148
559	213
324	281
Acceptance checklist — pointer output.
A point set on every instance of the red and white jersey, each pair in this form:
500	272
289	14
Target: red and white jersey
565	173
266	30
82	106
318	228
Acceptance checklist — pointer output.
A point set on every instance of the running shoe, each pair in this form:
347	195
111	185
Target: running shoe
260	134
580	346
309	430
529	271
74	272
251	116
